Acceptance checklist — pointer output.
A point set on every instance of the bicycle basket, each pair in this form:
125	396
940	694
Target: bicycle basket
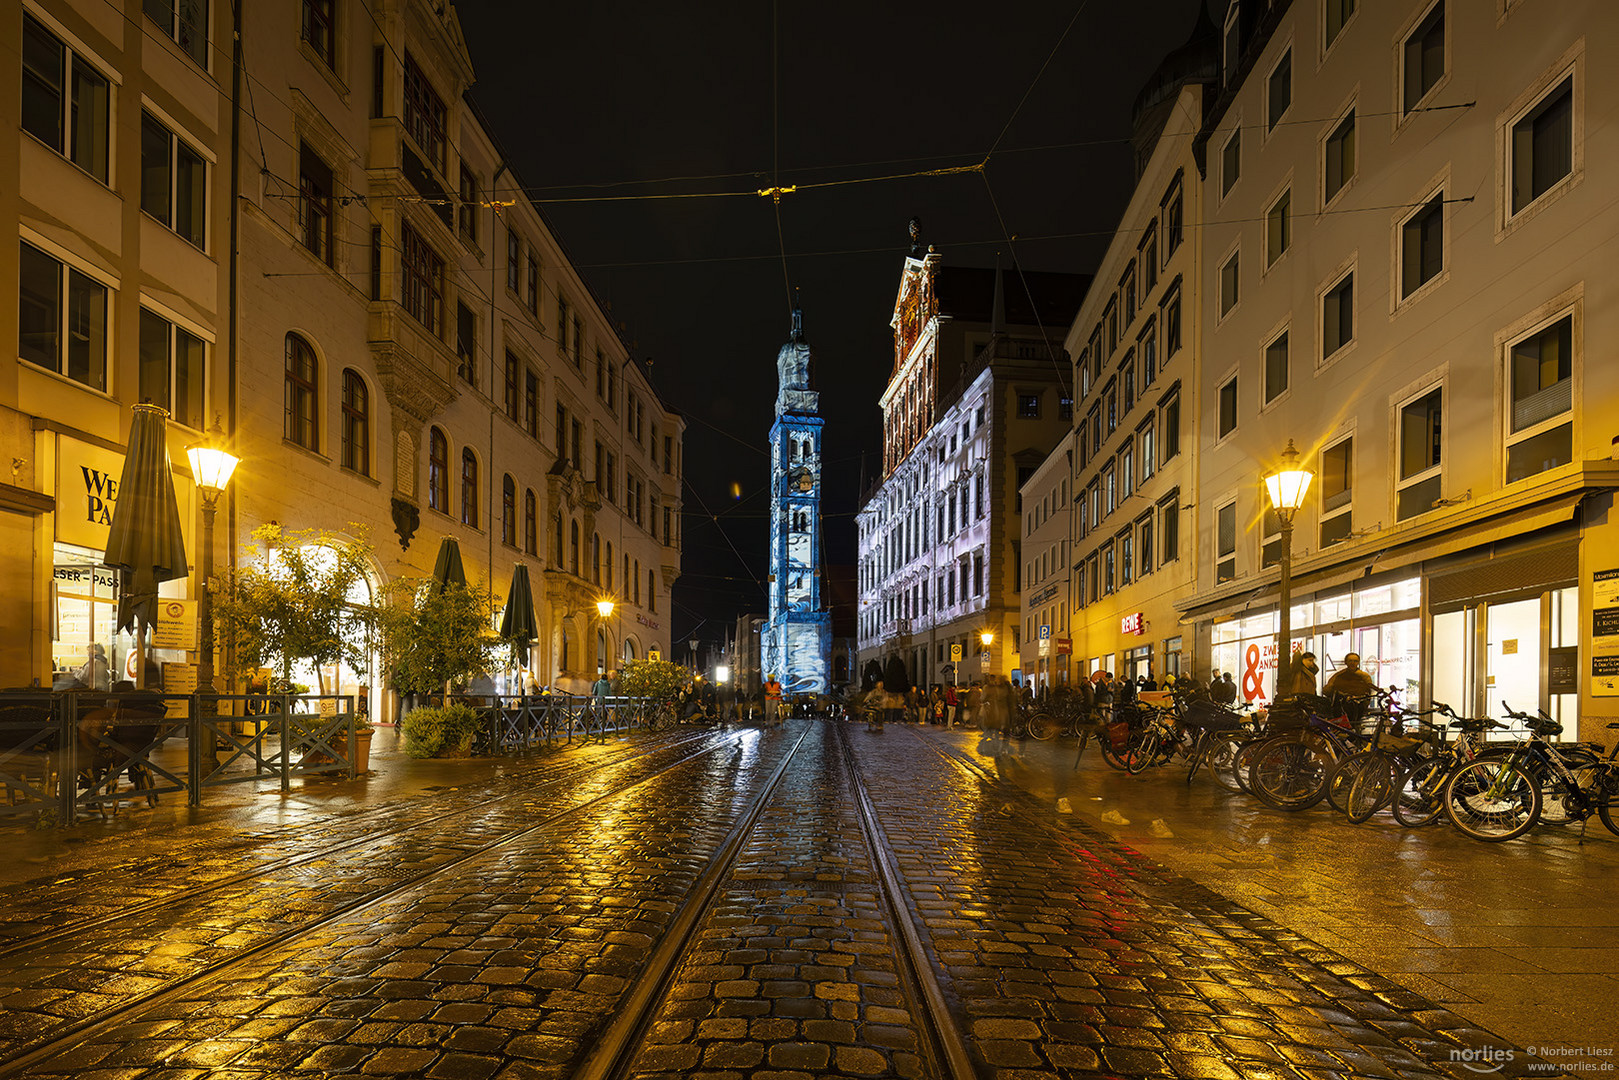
1118	735
1286	715
1206	714
1390	743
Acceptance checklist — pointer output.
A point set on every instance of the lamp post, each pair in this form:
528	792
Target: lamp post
1287	487
987	638
211	468
604	608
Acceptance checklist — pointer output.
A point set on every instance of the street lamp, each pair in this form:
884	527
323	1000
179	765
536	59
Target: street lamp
211	468
604	608
1287	487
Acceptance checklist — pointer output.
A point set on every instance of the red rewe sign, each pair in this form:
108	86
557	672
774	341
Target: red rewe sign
1133	623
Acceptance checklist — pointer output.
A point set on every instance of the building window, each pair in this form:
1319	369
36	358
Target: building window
1127	568
174	185
1542	146
1170	411
356	423
1147	347
578	345
1110	490
1339	167
1172	323
1028	406
1338	316
1231	162
508	510
1173	220
1065	406
573	548
469	487
1127	289
1276	367
1127	468
1421	443
562	323
438	471
315	204
514	261
1169	516
978	496
172	370
1279	91
1144	525
65	101
1337	491
1148	440
471	204
531	403
1110	403
534	282
184	22
531	528
513	388
62	319
1227	420
1148	261
1278	228
1425	56
302	394
424	113
1229	272
1270	538
1127	377
319	24
1422	246
1109	570
1337	14
978	573
1540	430
424	280
1225	562
466	344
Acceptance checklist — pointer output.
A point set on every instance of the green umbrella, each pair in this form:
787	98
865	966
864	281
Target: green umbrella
145	540
448	570
517	622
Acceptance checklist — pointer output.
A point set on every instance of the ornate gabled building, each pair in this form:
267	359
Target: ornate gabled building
978	395
796	642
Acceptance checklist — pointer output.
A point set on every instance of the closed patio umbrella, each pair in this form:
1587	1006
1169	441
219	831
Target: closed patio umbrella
517	622
447	570
145	540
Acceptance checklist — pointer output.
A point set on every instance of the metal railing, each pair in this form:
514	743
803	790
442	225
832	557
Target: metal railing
508	722
71	752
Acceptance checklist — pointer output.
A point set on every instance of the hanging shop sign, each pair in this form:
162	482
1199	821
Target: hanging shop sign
1133	623
1065	646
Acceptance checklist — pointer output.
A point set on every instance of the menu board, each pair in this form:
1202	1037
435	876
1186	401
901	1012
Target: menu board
1605	633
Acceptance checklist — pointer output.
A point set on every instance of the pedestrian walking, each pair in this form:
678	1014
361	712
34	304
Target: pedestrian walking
895	684
952	705
1301	676
772	701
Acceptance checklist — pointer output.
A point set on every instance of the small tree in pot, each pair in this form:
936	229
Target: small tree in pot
433	635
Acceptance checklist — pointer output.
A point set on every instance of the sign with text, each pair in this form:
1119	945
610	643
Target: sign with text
1605	633
1133	623
179	679
955	652
176	625
87	478
1065	646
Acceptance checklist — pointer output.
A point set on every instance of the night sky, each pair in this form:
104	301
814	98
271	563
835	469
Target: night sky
639	99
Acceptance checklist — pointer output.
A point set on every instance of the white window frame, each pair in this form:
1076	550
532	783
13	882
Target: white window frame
1230	378
1283	191
210	163
1285	53
1570	64
1235	135
1147	435
202	334
1324	515
1403	116
1323	359
1571	305
1328	45
1418	390
1233	254
1398	299
1280	330
1236	545
97	62
1350	105
70	261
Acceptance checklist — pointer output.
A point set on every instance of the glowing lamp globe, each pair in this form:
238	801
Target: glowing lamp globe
1289	484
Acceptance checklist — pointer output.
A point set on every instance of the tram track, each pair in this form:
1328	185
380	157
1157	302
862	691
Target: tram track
564	774
70	1034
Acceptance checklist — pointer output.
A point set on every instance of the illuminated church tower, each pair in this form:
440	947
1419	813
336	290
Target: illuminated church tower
796	644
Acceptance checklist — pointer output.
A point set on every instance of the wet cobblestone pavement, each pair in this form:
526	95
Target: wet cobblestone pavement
532	941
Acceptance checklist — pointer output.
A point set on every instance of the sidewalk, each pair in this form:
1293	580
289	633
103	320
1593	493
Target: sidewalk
1521	938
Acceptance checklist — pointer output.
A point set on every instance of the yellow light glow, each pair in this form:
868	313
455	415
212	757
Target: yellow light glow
211	464
605	607
987	637
1288	485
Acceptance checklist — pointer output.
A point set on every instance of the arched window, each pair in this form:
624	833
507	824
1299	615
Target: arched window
531	523
508	510
596	558
302	393
573	547
607	567
438	471
469	487
356	423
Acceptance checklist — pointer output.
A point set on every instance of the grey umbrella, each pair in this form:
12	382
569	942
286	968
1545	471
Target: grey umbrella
448	570
145	540
517	622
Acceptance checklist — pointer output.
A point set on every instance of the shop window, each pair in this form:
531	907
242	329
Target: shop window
174	184
356	423
1422	245
1278	227
1225	565
302	394
438	471
66	102
1338	316
1279	91
1540	431
1424	56
1337	491
469	487
1338	168
1542	146
1227	419
1421	434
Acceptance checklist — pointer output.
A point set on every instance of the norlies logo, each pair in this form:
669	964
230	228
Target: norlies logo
1484	1059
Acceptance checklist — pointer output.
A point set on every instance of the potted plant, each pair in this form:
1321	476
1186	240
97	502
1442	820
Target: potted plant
441	731
432	635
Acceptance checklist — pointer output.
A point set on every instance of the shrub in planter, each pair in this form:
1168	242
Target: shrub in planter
440	732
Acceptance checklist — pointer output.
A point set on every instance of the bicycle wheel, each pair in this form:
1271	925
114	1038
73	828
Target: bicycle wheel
1606	794
1143	754
1419	794
1492	799
1559	804
1116	759
1371	790
1289	774
1343	777
1043	726
1222	761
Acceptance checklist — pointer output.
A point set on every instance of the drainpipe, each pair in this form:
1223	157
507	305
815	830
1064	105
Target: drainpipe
494	285
233	319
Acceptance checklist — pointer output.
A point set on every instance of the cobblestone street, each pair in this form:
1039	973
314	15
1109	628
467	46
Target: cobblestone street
809	900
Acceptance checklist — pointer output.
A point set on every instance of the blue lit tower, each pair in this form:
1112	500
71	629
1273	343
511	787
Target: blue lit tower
796	645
